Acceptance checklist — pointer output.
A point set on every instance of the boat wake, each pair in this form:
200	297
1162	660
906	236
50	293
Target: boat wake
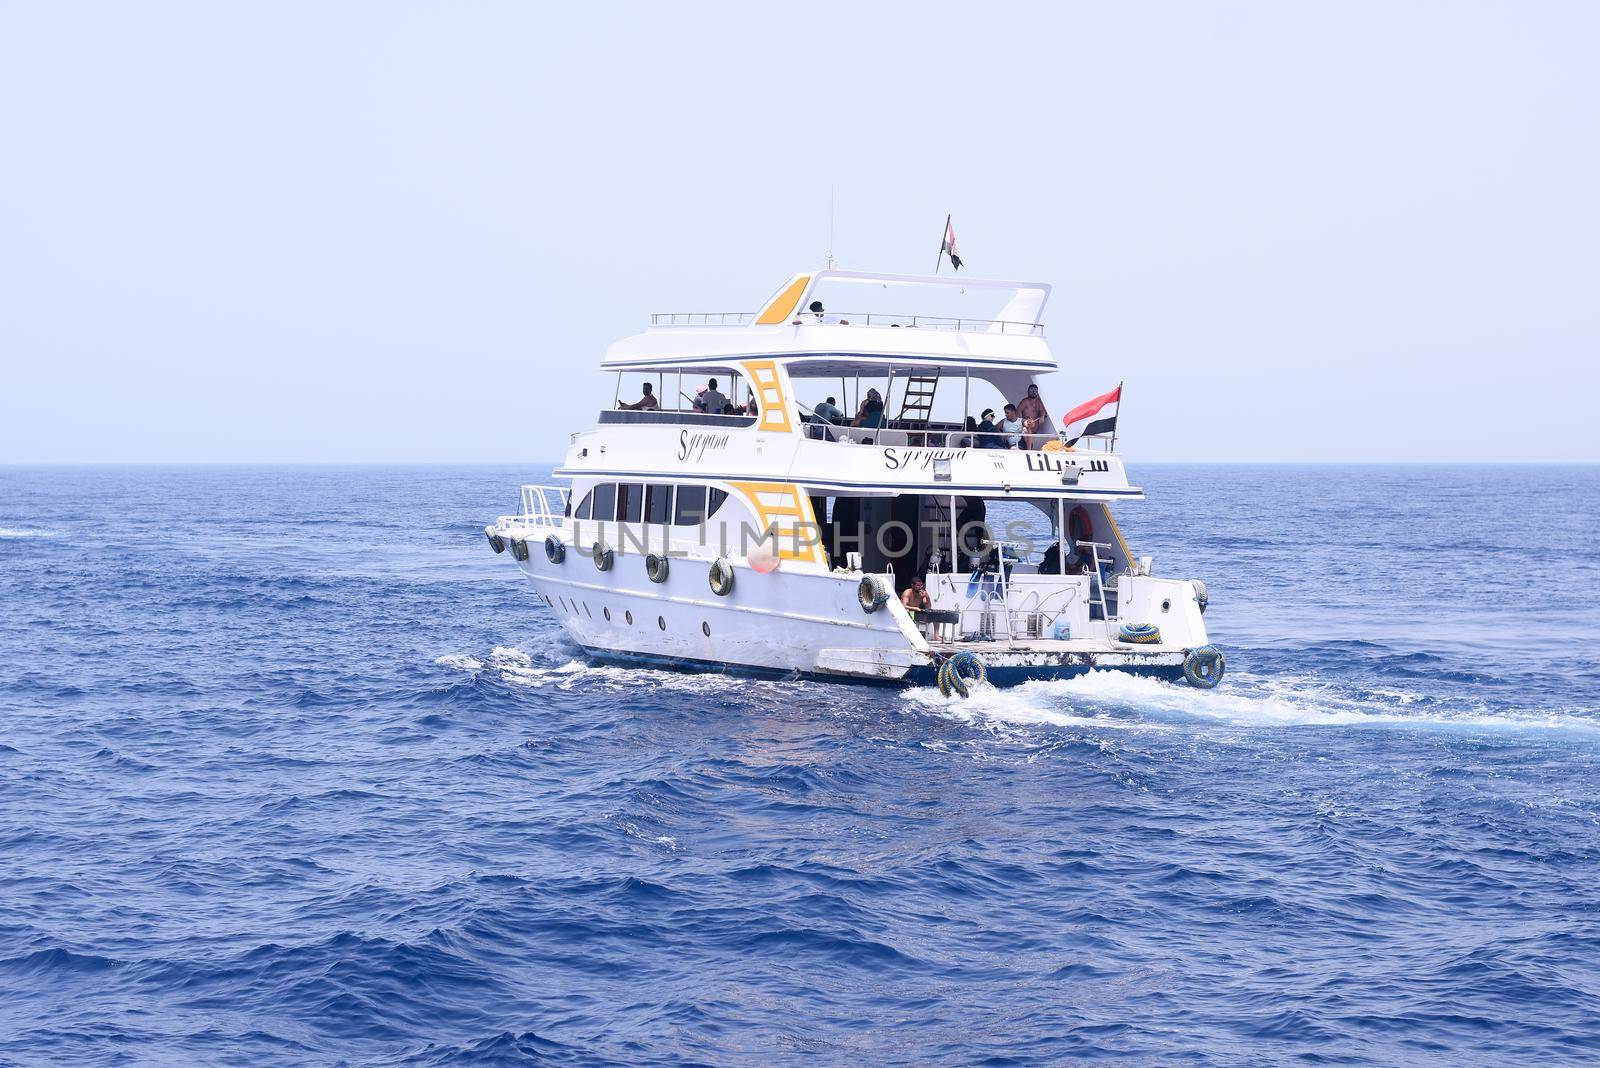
1109	700
1112	699
563	671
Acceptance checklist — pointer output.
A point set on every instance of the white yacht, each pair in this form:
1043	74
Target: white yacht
808	490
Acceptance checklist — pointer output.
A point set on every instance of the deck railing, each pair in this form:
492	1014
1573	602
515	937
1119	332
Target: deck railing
879	319
936	437
541	506
702	318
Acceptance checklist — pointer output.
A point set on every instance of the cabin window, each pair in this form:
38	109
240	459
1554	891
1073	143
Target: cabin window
630	502
605	502
657	504
582	511
691	506
694	505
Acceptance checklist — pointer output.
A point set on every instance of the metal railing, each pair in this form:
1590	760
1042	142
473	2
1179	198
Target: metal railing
702	318
880	319
923	322
542	506
941	438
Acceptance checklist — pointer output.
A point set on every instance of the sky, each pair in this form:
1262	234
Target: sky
406	232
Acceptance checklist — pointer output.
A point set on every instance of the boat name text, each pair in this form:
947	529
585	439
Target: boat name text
921	459
695	446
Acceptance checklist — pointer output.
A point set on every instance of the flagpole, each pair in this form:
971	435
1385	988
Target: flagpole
940	260
1119	416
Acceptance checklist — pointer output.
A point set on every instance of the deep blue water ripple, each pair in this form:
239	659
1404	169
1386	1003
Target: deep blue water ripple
294	771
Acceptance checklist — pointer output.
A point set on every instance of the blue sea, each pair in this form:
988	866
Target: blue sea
294	770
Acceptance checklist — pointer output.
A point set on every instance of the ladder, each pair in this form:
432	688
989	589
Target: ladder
1097	586
916	400
936	520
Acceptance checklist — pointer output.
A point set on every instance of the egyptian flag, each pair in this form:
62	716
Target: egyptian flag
949	246
1098	416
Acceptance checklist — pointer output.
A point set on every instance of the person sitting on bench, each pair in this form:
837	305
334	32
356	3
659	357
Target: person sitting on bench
646	403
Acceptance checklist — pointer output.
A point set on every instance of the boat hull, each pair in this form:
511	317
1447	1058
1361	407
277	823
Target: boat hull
790	625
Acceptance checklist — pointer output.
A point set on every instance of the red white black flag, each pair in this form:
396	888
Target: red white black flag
1098	416
949	246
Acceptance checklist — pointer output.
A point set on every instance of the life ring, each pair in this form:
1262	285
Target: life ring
496	542
962	672
1203	667
870	594
721	577
554	551
1139	634
655	566
1079	526
1201	597
519	549
603	557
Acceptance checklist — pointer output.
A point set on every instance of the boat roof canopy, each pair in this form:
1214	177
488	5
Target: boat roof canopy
989	301
866	319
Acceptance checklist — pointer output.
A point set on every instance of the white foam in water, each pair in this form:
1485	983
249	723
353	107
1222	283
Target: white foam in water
1119	700
518	668
24	532
1102	699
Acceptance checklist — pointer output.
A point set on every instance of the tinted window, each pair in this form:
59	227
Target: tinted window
658	504
717	497
605	502
582	511
691	506
630	502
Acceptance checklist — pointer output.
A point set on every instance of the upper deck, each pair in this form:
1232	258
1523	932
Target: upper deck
951	321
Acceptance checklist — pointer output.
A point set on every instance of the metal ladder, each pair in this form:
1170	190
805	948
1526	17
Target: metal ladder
916	400
1097	587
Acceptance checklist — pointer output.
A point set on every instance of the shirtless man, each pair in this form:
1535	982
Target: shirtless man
1031	409
916	597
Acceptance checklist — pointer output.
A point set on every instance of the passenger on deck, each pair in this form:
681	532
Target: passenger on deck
822	317
828	411
916	597
753	407
871	411
988	436
1031	409
711	400
1011	429
646	403
970	438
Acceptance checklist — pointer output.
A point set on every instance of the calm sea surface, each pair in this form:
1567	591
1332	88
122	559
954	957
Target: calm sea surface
293	769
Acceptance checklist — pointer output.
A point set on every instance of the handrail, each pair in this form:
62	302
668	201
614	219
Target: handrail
542	506
917	322
937	437
879	319
702	318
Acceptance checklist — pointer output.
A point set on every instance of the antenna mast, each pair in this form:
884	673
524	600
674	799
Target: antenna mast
830	227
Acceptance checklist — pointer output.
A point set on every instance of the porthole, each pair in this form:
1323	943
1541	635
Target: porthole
661	621
705	628
1166	606
607	612
629	615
